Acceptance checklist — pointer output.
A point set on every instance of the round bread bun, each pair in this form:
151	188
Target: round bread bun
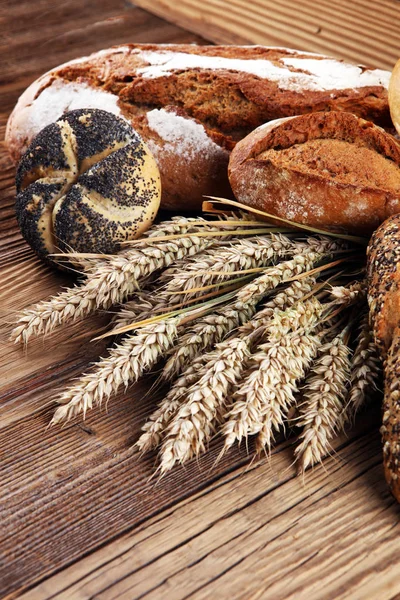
86	183
394	96
330	170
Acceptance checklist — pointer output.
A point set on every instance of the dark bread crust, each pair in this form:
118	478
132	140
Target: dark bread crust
348	181
383	272
229	101
232	102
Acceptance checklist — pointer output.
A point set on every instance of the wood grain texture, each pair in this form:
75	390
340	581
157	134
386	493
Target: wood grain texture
80	517
360	31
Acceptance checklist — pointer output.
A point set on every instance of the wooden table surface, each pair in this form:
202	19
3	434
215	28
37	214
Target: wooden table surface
79	515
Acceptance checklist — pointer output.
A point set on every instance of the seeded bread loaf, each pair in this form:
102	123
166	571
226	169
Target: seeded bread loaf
330	170
191	104
383	271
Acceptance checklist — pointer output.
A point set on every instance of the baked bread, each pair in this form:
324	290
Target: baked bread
394	96
329	170
192	103
87	182
383	270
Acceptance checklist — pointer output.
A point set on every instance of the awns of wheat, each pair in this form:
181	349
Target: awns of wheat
259	330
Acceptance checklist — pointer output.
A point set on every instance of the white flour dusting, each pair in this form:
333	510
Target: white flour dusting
332	74
57	99
324	74
181	135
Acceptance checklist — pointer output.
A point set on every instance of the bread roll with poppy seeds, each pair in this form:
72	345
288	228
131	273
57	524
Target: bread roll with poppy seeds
86	183
331	170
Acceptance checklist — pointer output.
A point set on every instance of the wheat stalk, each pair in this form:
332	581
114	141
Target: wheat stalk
285	298
365	370
217	264
144	306
125	364
321	410
204	334
154	429
109	282
308	255
350	294
267	389
196	419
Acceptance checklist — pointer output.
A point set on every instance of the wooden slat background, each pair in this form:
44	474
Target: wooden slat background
80	517
361	31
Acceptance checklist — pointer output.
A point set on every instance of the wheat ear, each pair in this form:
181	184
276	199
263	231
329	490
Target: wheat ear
110	281
204	334
155	427
285	298
346	295
218	263
365	370
125	364
200	412
308	255
266	393
321	410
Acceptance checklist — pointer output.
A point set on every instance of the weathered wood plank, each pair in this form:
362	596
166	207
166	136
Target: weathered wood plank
360	31
258	533
80	517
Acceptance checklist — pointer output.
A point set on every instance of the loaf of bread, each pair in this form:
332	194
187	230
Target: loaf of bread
191	104
330	170
86	183
394	96
383	270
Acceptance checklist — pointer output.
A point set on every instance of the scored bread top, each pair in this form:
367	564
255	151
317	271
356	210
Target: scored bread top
325	169
229	89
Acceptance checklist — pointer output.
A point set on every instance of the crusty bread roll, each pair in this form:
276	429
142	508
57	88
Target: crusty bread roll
329	170
192	103
86	183
394	96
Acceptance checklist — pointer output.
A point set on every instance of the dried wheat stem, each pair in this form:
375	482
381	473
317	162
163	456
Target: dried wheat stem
217	264
321	410
109	282
124	365
266	393
365	370
195	421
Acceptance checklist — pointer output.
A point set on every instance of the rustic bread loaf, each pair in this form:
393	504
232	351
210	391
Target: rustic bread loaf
86	183
383	271
394	96
330	170
192	103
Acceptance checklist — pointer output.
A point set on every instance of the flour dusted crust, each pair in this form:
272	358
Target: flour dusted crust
329	170
222	92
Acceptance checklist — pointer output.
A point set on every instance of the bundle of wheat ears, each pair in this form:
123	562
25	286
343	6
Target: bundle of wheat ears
257	327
